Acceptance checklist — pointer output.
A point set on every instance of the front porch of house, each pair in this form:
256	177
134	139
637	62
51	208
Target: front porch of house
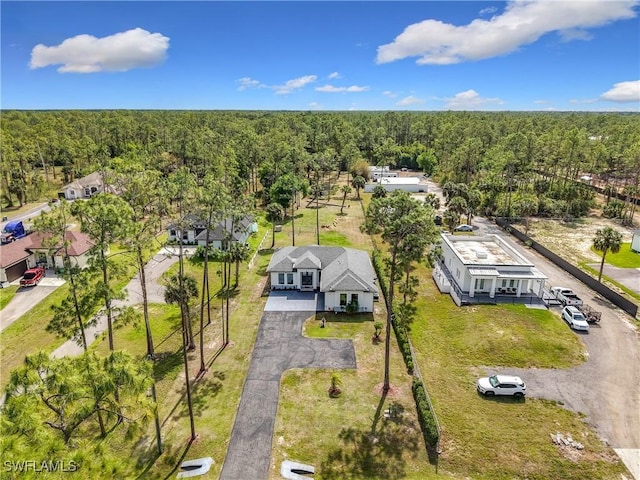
490	286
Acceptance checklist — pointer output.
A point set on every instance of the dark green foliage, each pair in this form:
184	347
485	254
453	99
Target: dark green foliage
400	330
613	209
426	416
403	343
379	192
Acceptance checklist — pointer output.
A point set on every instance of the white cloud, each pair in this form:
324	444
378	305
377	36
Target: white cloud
410	100
248	82
294	84
331	89
389	93
541	102
470	100
115	53
333	75
576	101
523	22
488	11
574	34
623	92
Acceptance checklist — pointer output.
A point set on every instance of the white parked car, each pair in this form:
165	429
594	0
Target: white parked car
575	318
464	228
502	385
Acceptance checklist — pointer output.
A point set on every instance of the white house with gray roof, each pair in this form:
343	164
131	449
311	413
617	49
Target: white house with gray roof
193	230
344	275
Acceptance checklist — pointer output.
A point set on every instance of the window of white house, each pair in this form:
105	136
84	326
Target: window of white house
172	233
343	299
354	298
281	278
289	278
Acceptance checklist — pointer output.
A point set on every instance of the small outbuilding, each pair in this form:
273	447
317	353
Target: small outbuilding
635	241
408	184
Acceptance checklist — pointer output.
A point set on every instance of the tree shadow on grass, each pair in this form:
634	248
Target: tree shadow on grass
374	453
165	363
202	393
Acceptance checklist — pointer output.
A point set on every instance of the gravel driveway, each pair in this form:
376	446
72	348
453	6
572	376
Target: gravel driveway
606	388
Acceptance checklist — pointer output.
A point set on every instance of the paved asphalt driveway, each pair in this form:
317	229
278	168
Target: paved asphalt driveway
24	300
279	347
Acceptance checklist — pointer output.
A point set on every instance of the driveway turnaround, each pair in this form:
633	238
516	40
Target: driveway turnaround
279	347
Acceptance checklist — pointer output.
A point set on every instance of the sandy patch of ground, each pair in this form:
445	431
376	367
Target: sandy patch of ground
573	240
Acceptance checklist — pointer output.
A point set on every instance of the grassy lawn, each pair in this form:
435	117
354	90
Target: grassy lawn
28	335
6	294
625	258
607	280
500	439
349	437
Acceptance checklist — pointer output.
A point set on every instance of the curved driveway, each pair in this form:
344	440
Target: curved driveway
279	347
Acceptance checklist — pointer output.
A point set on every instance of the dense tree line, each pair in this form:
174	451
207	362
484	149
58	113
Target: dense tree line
508	157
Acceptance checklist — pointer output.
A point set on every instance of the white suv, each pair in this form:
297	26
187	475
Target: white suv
575	318
502	385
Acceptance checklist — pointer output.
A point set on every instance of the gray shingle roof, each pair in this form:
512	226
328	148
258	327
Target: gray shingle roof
219	232
345	269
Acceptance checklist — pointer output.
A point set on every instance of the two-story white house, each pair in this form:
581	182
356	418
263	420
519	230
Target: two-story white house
193	231
344	275
486	269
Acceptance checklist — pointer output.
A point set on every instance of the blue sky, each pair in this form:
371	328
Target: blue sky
332	55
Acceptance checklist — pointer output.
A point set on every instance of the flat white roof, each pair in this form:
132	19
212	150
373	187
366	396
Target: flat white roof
399	180
485	250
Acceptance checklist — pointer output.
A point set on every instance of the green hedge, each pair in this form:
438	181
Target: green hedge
403	342
426	416
401	332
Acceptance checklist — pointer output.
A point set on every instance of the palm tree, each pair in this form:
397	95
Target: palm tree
358	182
275	213
238	253
180	290
606	240
346	190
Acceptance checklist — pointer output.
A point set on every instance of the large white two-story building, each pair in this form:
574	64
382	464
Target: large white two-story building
486	268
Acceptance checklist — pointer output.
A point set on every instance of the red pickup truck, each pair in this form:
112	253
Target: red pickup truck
32	277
